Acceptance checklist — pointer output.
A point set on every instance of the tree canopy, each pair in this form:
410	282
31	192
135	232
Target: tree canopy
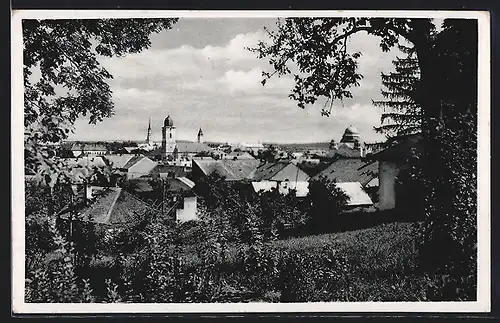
64	80
440	101
324	67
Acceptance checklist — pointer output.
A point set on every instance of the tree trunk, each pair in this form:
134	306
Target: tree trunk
428	97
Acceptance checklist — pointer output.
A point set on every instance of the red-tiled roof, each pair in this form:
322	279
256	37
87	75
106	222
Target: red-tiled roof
118	161
347	151
238	155
281	171
128	209
192	147
231	169
86	147
179	171
400	151
132	161
113	206
267	171
348	170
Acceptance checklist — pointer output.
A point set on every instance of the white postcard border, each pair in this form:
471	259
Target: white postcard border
17	152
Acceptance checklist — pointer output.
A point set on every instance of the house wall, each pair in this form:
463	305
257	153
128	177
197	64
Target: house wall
189	210
143	167
291	173
77	153
196	172
95	152
388	173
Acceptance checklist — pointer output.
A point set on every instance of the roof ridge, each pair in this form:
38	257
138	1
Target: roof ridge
141	200
108	215
274	172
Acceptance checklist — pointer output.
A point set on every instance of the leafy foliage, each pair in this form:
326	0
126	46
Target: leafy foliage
324	202
317	48
63	79
440	100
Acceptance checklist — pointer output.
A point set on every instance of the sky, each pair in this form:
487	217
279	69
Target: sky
201	75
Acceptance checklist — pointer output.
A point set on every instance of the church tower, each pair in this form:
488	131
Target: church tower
200	136
168	142
148	138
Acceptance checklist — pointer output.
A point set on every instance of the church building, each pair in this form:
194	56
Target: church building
350	144
173	149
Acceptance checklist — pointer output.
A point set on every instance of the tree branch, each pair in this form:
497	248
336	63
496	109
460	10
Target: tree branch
351	32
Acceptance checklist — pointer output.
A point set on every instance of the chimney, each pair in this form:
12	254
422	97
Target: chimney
88	191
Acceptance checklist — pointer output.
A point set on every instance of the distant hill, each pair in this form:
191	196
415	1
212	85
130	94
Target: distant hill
301	146
287	146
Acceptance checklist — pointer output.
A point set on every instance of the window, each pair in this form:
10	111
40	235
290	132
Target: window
170	134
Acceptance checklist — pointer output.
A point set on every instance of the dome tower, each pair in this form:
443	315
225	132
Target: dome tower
351	135
168	142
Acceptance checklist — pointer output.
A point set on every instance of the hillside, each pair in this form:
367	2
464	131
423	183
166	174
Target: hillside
300	146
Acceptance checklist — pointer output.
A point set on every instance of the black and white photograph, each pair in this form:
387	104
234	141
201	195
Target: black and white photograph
246	161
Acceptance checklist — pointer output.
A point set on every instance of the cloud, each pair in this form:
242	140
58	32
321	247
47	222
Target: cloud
236	48
218	87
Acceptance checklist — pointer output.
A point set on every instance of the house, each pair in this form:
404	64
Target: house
307	161
166	170
391	161
85	161
88	149
185	208
183	161
190	149
278	172
131	166
117	161
81	168
138	166
133	150
238	155
251	147
317	153
188	211
108	206
284	176
301	188
232	170
344	150
350	170
358	197
176	184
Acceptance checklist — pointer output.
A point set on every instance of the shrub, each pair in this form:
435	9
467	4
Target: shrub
307	278
57	282
324	201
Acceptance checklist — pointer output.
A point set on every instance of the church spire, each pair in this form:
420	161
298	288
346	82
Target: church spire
148	138
200	136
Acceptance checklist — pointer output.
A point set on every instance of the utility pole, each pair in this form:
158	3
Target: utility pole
162	197
71	217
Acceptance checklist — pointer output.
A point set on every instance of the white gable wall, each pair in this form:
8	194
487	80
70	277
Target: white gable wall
388	173
188	212
142	167
290	173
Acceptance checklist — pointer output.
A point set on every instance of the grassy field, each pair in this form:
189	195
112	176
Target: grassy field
382	260
381	240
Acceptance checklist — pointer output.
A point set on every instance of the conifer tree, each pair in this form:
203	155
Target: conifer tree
401	115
